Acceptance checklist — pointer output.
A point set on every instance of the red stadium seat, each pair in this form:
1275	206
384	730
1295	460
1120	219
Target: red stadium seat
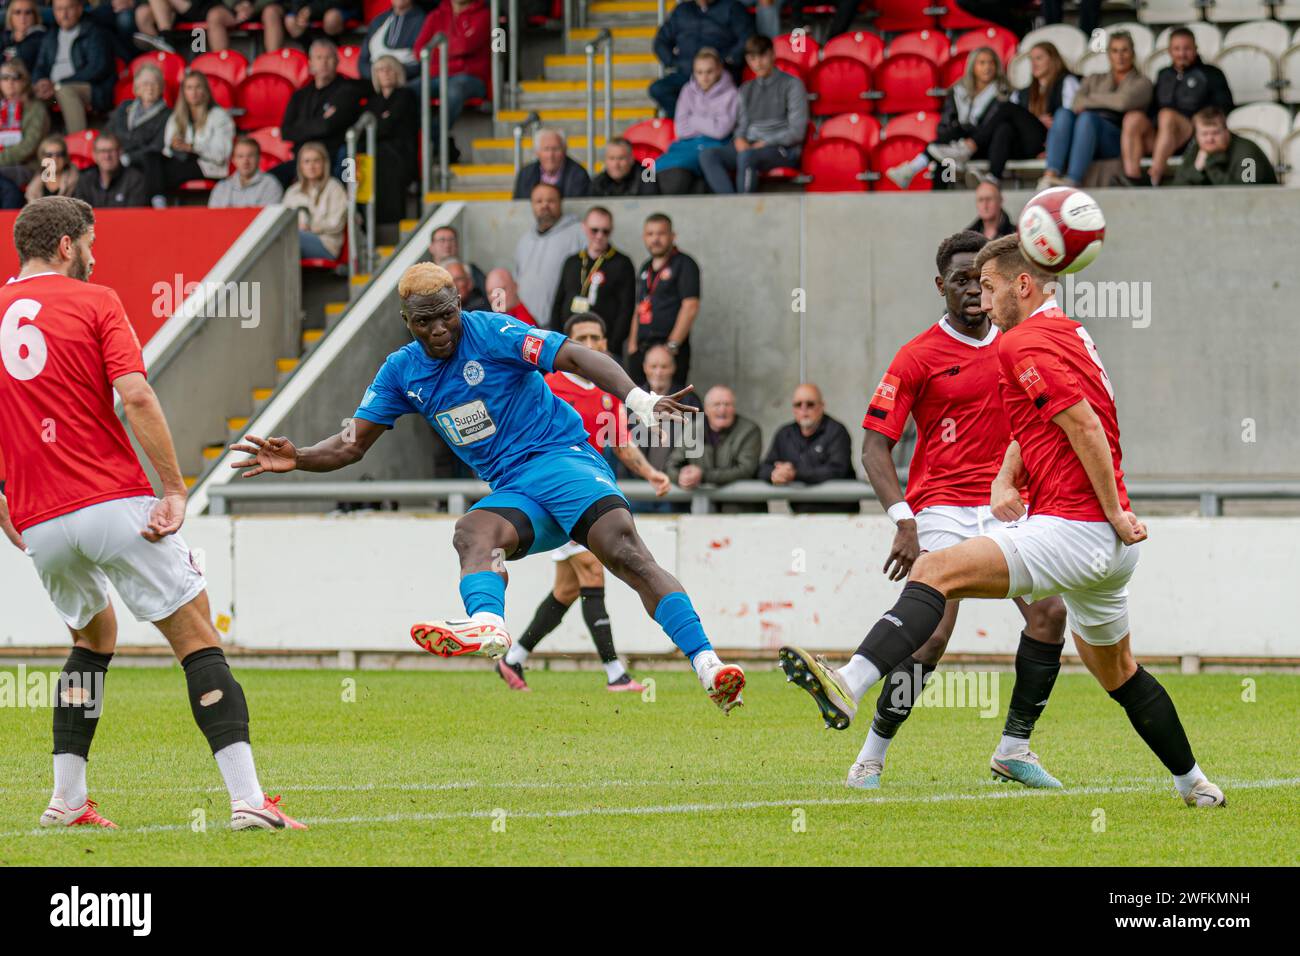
931	44
223	94
1000	39
906	84
953	70
778	173
274	149
330	264
891	151
649	138
955	18
785	66
197	185
350	61
81	148
867	47
832	164
287	62
230	65
895	16
373	8
860	128
124	88
921	125
173	70
263	98
839	84
785	51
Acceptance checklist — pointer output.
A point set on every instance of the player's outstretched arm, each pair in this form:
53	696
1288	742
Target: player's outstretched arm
608	374
7	526
145	416
879	466
1004	495
1088	439
279	455
636	462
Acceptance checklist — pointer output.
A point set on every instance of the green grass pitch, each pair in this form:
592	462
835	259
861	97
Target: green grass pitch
451	768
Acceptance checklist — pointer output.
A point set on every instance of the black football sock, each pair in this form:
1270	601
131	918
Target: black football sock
549	614
909	623
80	701
216	699
1037	665
1152	713
899	692
597	618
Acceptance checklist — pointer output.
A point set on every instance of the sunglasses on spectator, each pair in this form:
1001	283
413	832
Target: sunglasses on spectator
599	231
805	404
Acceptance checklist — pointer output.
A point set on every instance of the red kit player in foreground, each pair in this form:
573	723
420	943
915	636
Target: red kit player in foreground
82	509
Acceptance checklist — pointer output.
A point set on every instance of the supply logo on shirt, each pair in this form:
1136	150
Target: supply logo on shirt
466	424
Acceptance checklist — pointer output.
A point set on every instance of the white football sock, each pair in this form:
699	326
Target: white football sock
236	764
70	779
859	674
614	670
1185	781
488	617
517	654
704	662
1012	745
874	747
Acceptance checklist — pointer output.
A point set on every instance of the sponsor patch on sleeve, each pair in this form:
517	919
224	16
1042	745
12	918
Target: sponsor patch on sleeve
532	348
885	397
1031	381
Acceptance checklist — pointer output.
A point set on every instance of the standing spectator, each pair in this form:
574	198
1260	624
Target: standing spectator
333	16
503	296
141	123
247	185
723	25
622	175
320	112
75	66
598	279
706	115
54	175
397	138
1219	157
111	185
1181	89
770	127
23	33
729	451
227	14
393	33
1090	128
444	244
467	24
991	220
668	301
552	166
322	204
24	122
811	449
198	138
658	440
471	300
540	252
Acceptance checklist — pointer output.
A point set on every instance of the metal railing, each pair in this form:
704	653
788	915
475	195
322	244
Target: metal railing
368	124
605	38
426	118
494	14
662	14
512	54
530	124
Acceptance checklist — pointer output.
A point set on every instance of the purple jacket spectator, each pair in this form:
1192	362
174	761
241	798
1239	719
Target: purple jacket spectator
710	112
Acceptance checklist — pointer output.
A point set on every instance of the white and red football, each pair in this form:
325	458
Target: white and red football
1061	229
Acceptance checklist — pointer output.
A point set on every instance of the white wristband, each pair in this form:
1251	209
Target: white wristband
642	403
900	512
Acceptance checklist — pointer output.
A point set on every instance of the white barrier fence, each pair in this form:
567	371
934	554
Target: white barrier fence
1210	588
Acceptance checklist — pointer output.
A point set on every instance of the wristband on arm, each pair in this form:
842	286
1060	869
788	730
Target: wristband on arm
900	512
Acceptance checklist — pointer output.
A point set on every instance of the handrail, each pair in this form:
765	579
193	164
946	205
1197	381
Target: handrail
662	14
426	117
531	121
513	53
494	13
368	123
607	39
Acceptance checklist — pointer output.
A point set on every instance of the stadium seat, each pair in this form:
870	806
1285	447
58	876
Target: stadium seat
953	70
923	126
954	17
1236	11
1252	72
263	98
860	128
931	44
1144	40
173	71
288	62
274	149
1069	40
1268	35
373	8
1268	124
223	94
124	88
1209	40
999	38
839	84
793	67
1291	159
649	138
230	65
350	61
832	164
859	45
891	151
1288	68
1094	61
1289	10
81	148
896	16
785	51
1168	11
330	265
906	84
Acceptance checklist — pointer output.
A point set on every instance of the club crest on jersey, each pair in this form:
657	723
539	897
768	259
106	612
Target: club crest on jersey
473	372
606	401
532	349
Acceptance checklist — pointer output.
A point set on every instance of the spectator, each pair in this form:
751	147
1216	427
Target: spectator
320	112
24	122
75	66
552	166
1090	127
117	19
155	17
598	278
540	252
845	12
23	33
198	139
444	245
393	33
55	175
622	175
991	220
111	185
322	204
1219	157
141	123
397	138
1181	89
333	16
723	25
971	101
468	27
658	440
770	126
706	115
811	449
226	14
668	300
503	296
11	197
247	185
1089	13
729	450
471	300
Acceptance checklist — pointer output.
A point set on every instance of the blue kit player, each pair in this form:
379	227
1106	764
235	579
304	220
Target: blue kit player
477	378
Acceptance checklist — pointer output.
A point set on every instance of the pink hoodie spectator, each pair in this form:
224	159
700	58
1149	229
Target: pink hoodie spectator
710	112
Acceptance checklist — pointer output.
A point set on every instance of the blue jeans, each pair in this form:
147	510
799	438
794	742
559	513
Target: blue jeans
460	87
721	163
311	247
1076	139
664	90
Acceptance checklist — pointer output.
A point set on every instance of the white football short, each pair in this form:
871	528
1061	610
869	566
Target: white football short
1083	561
566	551
942	526
79	553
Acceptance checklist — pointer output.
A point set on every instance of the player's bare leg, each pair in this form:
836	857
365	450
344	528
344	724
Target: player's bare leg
613	539
1038	661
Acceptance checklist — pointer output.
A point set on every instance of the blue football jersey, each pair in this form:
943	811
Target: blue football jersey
489	401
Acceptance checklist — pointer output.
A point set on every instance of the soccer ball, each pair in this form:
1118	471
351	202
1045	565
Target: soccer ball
1061	229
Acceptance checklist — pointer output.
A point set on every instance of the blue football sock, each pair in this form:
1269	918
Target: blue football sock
677	617
483	591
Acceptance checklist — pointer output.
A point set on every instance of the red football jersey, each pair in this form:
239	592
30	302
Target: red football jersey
63	342
1048	363
948	382
603	415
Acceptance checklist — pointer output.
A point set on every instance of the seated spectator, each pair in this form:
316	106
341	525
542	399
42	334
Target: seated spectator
467	24
75	66
811	449
729	450
552	166
197	142
11	197
227	14
541	251
471	300
598	278
706	115
991	220
658	440
503	296
397	138
322	204
668	301
770	126
1219	157
321	112
24	123
970	102
1181	89
111	185
723	25
1091	127
55	175
117	19
622	175
332	15
247	185
23	33
444	244
141	123
393	33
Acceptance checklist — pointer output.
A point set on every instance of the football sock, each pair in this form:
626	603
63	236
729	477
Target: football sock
896	636
614	670
899	692
80	701
70	779
859	674
874	747
1009	746
1185	781
1037	665
517	654
484	595
546	619
705	661
597	618
677	617
216	699
1152	714
237	769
